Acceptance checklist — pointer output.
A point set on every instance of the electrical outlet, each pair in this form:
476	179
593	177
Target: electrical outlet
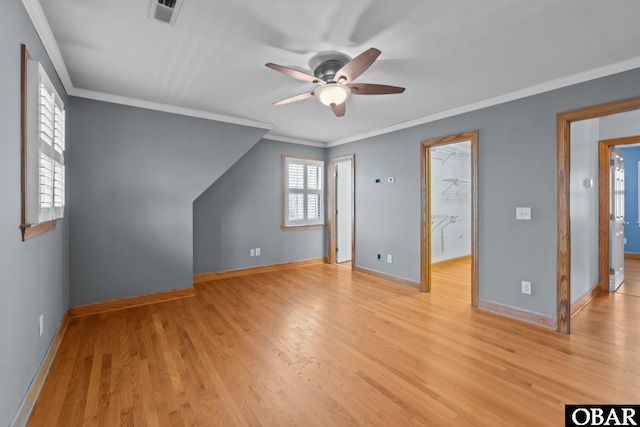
526	287
252	252
257	251
389	258
41	324
391	179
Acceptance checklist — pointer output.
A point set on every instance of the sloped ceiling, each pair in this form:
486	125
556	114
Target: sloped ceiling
451	56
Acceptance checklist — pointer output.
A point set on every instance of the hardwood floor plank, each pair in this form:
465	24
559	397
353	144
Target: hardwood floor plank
324	346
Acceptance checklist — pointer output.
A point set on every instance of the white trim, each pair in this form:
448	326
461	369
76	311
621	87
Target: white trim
44	31
280	138
150	105
35	12
582	77
305	191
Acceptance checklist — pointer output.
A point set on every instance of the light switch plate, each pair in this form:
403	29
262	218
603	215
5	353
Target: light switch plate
523	214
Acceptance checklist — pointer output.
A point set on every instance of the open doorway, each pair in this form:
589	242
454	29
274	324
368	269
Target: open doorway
599	216
449	240
342	211
619	251
565	303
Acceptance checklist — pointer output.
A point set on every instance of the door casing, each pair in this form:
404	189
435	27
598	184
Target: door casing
563	269
425	226
331	255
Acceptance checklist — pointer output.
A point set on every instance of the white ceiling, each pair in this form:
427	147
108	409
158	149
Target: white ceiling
451	56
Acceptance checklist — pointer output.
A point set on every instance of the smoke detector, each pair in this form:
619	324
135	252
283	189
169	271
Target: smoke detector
165	11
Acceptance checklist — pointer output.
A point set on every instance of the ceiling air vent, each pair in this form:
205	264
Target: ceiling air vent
165	10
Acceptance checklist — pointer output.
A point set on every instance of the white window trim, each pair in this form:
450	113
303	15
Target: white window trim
286	191
43	152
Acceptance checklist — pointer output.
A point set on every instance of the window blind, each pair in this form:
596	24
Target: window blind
303	192
45	151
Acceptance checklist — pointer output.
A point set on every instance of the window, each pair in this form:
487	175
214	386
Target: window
303	195
43	139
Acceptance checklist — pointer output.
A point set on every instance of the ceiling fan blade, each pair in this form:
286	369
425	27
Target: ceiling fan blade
358	65
294	98
294	73
371	89
338	110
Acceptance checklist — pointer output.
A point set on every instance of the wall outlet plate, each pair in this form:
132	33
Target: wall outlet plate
41	324
391	179
252	252
526	287
257	251
390	258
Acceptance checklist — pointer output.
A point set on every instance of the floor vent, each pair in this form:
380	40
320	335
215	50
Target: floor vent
165	10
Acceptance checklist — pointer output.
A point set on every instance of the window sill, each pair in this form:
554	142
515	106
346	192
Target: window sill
32	230
302	227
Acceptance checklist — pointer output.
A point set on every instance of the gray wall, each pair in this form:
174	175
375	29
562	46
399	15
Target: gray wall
243	210
133	175
583	205
387	215
620	125
517	167
34	276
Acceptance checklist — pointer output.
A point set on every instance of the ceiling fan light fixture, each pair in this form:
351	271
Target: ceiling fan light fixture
332	93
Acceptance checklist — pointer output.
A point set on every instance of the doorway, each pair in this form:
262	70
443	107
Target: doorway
445	193
342	211
564	121
612	251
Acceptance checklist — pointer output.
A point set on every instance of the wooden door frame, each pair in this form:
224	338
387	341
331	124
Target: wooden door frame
331	229
604	204
563	268
425	185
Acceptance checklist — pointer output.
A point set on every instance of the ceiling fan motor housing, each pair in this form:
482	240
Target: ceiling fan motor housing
327	70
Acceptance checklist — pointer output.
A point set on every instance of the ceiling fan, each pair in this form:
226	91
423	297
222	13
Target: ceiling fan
336	75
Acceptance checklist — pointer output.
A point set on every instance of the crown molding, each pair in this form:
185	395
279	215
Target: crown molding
39	20
37	16
582	77
149	105
294	140
35	12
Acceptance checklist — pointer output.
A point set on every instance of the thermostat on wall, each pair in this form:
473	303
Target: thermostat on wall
523	213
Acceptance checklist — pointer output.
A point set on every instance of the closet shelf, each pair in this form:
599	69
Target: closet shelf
441	221
444	154
456	182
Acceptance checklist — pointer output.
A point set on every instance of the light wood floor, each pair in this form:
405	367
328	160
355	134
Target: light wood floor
631	284
323	346
452	281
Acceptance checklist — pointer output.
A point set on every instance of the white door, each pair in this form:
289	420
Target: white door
344	194
616	220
